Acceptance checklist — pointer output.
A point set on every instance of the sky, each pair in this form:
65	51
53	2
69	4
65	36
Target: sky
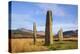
23	14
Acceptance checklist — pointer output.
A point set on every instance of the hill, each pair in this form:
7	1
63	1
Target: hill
25	33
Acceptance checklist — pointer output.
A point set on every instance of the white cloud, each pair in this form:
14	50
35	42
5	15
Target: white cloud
56	10
21	21
65	27
41	28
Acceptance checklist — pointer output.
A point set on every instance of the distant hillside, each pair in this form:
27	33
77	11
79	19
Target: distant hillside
21	30
25	33
29	33
70	33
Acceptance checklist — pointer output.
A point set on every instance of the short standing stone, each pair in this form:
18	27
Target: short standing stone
34	32
60	34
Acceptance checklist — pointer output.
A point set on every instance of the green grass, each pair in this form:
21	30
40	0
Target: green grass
63	45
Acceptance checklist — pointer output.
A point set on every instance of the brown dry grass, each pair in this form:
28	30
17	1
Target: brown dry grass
26	45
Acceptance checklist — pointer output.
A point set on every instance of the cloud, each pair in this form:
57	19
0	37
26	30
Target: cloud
40	28
65	27
21	20
56	10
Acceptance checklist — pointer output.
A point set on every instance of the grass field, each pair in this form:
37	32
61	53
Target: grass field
26	45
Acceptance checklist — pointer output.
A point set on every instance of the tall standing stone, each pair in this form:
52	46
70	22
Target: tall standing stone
48	29
34	32
60	34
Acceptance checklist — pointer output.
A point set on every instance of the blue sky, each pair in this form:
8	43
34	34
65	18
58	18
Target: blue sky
25	13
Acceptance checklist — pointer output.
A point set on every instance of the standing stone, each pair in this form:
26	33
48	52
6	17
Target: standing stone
34	32
60	33
48	29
